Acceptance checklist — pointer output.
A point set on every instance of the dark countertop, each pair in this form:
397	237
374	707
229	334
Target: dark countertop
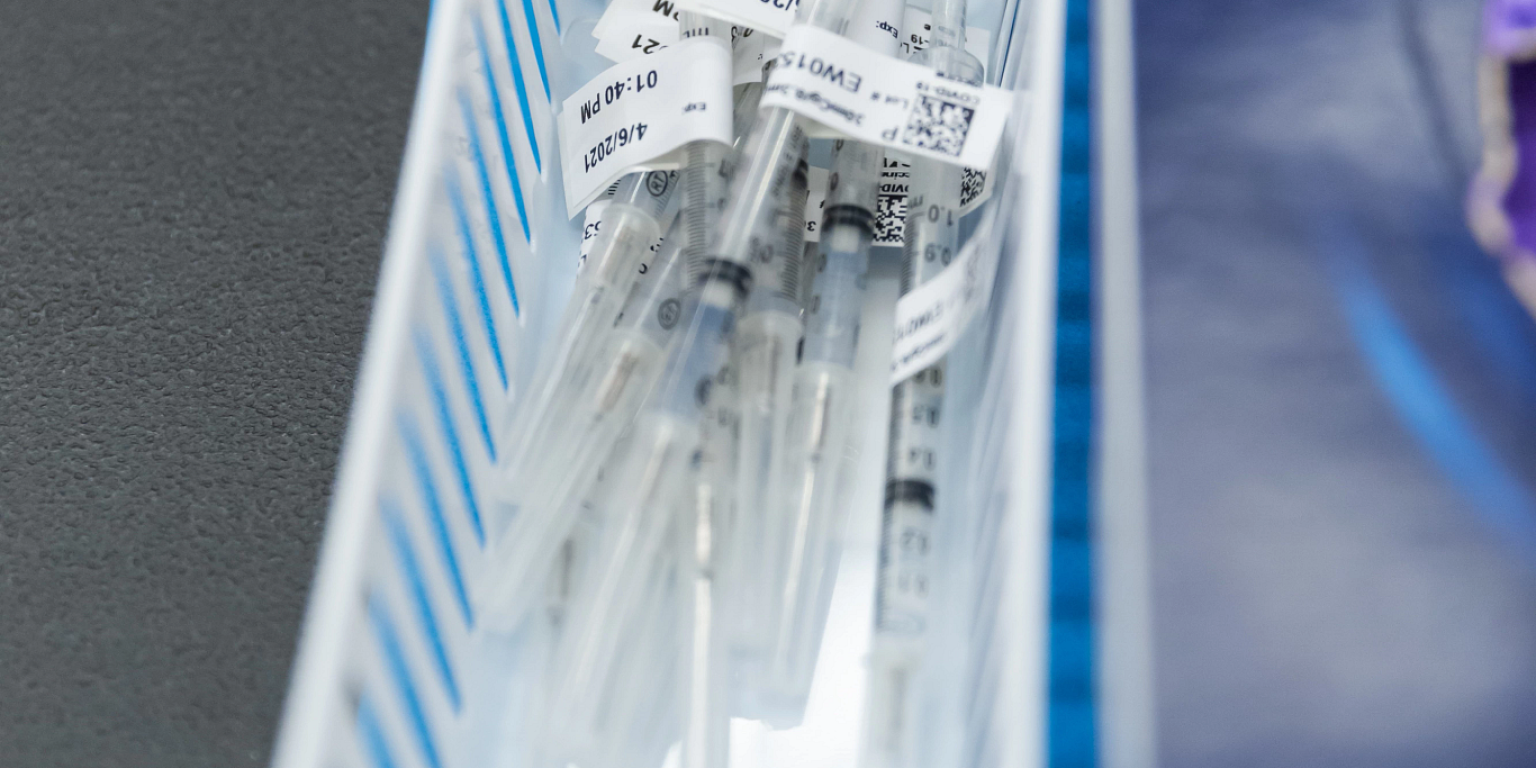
193	200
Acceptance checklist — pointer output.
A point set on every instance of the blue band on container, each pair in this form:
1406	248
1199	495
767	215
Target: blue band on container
410	569
517	77
372	735
461	216
538	47
418	458
538	55
428	354
461	345
394	659
491	214
501	123
1072	738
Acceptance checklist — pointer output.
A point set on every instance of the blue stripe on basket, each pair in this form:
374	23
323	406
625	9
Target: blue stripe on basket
428	354
501	122
461	345
491	214
372	735
429	496
405	685
461	217
538	47
410	569
1072	725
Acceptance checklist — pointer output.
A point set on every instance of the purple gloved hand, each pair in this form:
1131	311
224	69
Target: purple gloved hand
1509	28
1501	203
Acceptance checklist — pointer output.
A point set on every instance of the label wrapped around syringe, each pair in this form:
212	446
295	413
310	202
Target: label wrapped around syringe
593	225
633	28
636	114
891	203
930	318
771	16
882	100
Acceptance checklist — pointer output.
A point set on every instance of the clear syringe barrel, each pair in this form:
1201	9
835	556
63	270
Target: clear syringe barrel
906	570
592	418
773	149
806	517
631	225
771	329
837	277
707	599
766	345
651	478
707	165
905	573
744	109
654	476
750	231
705	183
635	715
634	351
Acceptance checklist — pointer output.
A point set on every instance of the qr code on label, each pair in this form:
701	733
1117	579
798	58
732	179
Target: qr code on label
938	125
890	219
971	185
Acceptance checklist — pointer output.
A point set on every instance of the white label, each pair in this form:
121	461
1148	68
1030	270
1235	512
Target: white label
815	202
773	17
882	100
635	113
631	41
915	27
747	55
930	318
878	25
633	28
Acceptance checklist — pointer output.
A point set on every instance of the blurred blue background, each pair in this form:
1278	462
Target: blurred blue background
1341	393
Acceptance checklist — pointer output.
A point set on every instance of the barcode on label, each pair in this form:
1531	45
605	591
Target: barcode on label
890	219
971	186
938	124
891	206
858	93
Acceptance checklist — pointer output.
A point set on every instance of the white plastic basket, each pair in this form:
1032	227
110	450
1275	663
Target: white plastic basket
389	671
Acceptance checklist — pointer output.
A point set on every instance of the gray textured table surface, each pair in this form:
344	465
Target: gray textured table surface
193	198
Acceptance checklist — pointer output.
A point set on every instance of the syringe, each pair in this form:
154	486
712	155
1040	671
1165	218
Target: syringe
660	471
606	374
532	531
653	482
629	716
659	463
901	603
805	519
631	225
657	474
766	344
